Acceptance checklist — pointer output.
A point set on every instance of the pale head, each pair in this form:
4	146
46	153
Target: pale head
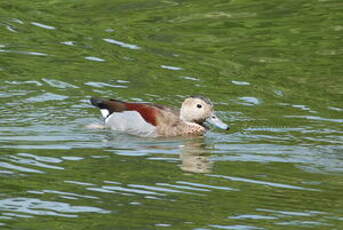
199	109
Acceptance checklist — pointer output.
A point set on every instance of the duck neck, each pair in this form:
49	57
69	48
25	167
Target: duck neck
192	122
183	117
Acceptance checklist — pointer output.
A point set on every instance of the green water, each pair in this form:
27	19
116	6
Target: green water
272	68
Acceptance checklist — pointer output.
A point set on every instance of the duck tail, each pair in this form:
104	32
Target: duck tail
107	107
102	105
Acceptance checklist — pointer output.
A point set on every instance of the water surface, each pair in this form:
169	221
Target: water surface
272	68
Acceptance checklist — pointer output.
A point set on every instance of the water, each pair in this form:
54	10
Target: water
272	68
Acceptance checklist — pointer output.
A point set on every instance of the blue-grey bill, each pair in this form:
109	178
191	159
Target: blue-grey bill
214	120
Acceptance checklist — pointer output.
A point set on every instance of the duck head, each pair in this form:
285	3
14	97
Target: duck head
199	109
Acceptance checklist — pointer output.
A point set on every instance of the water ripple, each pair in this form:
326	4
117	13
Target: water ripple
207	186
47	97
307	223
34	82
43	26
122	44
249	101
278	185
235	227
69	194
19	168
41	158
315	118
159	189
240	82
78	183
96	59
26	161
69	43
291	213
24	52
35	206
183	187
103	84
131	190
253	217
170	67
58	84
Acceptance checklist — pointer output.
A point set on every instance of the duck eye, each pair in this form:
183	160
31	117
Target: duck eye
199	106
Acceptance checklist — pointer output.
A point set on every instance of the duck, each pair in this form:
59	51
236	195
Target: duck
155	120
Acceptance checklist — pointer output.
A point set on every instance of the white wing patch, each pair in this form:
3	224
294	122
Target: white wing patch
104	112
130	122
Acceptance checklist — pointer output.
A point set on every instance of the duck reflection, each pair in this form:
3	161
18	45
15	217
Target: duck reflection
193	152
195	157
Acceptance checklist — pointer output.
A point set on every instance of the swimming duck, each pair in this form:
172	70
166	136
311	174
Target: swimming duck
147	119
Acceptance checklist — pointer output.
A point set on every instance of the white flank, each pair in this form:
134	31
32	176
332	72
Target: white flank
130	122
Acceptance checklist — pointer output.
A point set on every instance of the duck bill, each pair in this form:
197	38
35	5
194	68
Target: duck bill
214	120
